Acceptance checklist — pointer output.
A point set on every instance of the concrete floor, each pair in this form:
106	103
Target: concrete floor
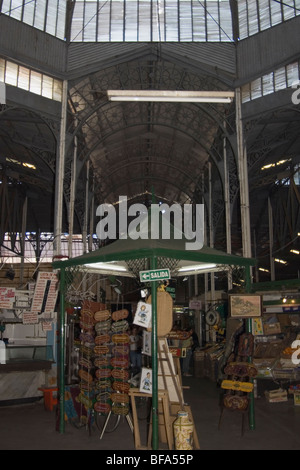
277	426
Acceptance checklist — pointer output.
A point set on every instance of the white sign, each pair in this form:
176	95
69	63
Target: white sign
7	297
195	304
155	275
143	315
30	318
45	293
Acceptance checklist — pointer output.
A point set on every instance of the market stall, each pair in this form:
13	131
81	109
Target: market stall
130	257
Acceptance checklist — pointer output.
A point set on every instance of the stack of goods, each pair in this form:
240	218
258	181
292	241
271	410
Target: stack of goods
295	390
86	368
111	361
287	364
120	362
102	361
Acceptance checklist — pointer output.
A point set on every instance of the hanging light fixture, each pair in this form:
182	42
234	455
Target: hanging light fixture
171	96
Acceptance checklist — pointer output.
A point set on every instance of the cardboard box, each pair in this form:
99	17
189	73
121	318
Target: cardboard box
297	399
276	396
272	328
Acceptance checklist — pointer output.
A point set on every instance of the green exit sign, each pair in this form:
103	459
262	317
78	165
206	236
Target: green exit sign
155	275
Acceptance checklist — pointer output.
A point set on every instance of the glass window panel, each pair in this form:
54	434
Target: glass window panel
5	7
199	32
35	82
171	20
57	90
292	71
61	19
252	17
246	93
23	78
280	79
268	83
264	14
29	13
40	11
16	9
243	19
51	17
47	86
144	20
11	73
77	22
225	22
158	22
131	21
256	91
2	69
104	21
185	23
117	20
276	16
288	9
212	20
90	21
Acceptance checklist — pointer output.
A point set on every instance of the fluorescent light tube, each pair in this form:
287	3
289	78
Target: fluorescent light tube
171	96
196	267
107	267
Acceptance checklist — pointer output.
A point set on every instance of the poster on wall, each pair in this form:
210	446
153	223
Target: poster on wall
30	318
147	343
7	297
245	305
146	380
143	315
45	293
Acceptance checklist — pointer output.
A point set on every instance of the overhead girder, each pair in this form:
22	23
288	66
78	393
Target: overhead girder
152	178
153	124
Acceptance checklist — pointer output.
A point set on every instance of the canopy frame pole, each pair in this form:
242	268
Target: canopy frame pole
154	360
62	354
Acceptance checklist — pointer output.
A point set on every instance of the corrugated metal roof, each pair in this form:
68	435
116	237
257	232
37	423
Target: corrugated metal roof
219	57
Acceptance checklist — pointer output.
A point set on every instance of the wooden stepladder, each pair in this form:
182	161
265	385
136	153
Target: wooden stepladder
169	382
170	392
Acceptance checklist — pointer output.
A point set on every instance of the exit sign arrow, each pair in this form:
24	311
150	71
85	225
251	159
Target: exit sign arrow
155	275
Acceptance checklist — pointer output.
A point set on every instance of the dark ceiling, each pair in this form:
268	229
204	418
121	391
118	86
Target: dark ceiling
170	149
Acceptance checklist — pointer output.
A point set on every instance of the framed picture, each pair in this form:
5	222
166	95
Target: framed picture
143	315
147	339
146	380
245	305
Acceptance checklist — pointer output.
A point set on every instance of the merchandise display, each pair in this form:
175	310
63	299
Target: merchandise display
104	359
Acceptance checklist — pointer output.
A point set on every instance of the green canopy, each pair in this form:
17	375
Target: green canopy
128	257
124	250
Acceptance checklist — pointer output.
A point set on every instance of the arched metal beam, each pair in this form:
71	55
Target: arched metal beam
141	178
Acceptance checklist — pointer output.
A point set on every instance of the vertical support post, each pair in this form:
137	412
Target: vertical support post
249	330
60	172
245	217
24	222
243	179
62	354
227	208
92	218
211	231
154	360
85	222
272	264
72	195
